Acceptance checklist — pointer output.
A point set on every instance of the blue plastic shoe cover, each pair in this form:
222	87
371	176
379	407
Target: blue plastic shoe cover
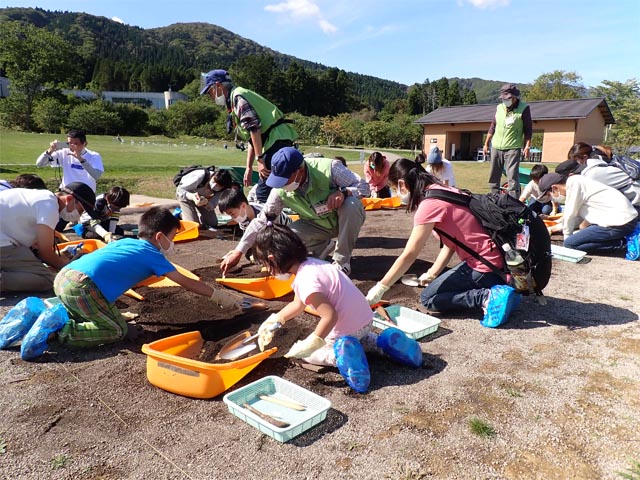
352	363
17	322
503	299
633	244
35	341
401	348
79	229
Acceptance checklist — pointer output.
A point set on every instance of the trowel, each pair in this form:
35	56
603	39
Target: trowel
241	344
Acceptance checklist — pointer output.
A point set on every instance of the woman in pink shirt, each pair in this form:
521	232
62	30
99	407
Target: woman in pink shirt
345	315
376	173
470	284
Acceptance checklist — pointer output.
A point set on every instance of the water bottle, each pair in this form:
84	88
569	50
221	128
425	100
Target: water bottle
177	213
17	322
517	267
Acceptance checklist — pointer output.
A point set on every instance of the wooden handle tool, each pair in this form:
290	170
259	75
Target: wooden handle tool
281	401
265	417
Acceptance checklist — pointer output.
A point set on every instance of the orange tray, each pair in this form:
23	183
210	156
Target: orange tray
163	281
172	366
187	231
266	288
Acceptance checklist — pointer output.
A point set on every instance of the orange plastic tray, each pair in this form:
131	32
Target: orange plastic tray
187	231
267	288
171	365
371	203
88	245
163	281
390	202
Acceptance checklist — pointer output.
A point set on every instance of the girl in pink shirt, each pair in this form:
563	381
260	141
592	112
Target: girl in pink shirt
470	284
376	173
345	315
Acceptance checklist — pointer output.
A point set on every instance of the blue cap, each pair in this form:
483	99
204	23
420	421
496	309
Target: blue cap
434	155
283	163
212	77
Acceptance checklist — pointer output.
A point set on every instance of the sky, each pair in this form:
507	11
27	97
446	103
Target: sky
410	41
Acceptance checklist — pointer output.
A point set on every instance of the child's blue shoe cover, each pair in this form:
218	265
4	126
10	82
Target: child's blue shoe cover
35	341
503	299
17	322
352	363
633	244
403	349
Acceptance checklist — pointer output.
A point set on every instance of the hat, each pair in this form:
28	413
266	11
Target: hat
212	77
509	90
434	155
550	179
83	193
283	163
570	166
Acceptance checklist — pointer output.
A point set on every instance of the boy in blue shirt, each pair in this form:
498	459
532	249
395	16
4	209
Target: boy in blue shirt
89	286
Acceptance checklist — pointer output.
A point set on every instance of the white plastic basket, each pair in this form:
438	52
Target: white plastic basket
279	388
413	323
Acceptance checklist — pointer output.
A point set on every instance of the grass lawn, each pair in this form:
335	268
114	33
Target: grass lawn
146	165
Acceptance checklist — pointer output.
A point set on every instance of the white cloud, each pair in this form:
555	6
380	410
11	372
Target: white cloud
489	3
300	10
119	20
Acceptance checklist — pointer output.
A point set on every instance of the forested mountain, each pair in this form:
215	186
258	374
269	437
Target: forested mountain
122	57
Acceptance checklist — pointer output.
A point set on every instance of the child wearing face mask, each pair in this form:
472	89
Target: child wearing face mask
345	316
234	203
376	173
89	286
107	209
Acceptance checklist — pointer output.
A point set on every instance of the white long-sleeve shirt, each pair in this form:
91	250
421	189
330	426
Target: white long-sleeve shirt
596	203
72	170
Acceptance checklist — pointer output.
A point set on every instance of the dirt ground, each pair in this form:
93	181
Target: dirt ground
559	385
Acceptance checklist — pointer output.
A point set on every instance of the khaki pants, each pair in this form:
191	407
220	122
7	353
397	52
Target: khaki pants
22	271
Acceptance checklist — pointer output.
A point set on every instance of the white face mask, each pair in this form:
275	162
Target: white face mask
404	197
282	276
240	219
508	102
558	198
169	249
292	186
220	99
70	216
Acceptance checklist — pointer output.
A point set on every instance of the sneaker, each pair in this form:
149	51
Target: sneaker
36	340
633	244
344	268
502	300
331	246
401	348
352	363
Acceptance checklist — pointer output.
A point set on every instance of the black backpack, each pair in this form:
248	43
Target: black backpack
628	165
183	171
503	217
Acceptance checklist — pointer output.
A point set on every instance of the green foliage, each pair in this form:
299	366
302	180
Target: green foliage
481	427
556	85
624	100
95	118
184	117
633	472
59	461
50	115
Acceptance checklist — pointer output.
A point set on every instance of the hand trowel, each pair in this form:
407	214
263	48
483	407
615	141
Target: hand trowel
241	345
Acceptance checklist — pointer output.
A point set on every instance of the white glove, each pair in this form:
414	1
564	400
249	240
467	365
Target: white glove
375	294
426	278
111	237
202	201
267	328
195	198
306	347
222	299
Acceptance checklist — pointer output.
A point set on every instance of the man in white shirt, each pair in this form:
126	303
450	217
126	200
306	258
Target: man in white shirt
27	221
78	163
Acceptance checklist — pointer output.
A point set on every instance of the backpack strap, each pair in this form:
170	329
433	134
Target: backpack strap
463	200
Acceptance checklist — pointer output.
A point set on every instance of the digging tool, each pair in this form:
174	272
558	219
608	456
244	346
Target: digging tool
266	417
240	345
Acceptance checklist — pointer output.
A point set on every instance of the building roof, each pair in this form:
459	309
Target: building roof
543	110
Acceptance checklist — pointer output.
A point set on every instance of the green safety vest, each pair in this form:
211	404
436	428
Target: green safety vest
509	133
318	175
268	114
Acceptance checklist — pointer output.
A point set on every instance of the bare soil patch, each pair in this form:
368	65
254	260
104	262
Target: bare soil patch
559	385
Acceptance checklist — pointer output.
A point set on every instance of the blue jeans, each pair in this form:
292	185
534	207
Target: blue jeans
459	288
544	208
595	238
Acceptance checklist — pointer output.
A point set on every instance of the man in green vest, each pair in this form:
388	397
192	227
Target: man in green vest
325	194
256	120
510	131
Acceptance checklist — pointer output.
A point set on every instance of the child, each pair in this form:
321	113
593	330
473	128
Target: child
532	195
89	286
376	172
233	202
345	316
440	168
107	207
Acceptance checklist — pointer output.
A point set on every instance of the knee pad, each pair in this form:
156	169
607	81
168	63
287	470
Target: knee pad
405	350
352	363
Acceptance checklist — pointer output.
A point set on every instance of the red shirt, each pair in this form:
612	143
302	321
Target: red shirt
459	222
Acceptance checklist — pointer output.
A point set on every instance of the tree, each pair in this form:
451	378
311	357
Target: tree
332	129
624	100
50	115
95	117
557	85
34	59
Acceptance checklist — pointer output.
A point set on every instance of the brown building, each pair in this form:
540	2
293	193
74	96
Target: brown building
459	131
